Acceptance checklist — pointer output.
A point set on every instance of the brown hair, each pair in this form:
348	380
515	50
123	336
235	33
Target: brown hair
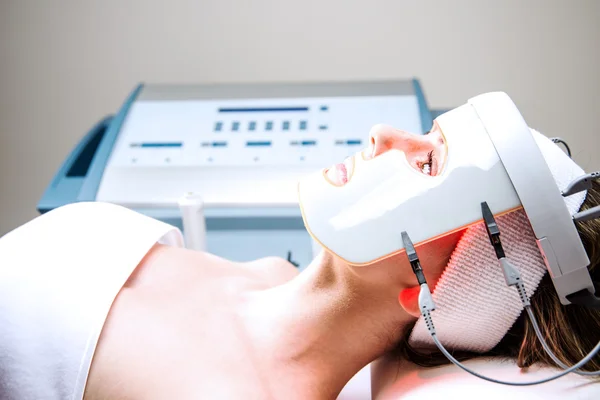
570	331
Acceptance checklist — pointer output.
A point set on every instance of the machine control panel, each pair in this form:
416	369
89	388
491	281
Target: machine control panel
276	132
245	145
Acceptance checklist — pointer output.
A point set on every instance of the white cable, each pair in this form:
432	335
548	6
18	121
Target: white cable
581	363
540	337
512	276
425	311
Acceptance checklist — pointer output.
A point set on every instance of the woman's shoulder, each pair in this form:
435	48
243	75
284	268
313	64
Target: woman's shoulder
409	381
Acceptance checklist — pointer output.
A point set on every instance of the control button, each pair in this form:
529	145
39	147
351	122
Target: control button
235	126
269	126
302	125
322	127
286	125
264	143
252	125
160	144
218	126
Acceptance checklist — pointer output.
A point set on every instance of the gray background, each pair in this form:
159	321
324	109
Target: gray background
64	64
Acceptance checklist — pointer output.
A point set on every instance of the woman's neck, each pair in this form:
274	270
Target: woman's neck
317	331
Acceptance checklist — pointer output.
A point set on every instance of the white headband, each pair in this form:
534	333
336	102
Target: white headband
479	320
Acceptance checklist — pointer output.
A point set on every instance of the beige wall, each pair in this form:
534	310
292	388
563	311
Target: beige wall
64	64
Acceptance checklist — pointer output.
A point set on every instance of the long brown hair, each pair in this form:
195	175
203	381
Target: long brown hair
570	331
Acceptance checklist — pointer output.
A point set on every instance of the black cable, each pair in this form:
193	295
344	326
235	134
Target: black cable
561	141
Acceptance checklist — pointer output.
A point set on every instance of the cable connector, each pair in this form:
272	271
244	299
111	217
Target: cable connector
411	253
429	323
492	229
426	302
523	294
586	215
512	276
581	183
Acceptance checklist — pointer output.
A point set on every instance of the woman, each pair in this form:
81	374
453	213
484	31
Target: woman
100	302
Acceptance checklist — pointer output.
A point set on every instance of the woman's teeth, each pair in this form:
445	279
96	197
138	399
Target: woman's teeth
426	169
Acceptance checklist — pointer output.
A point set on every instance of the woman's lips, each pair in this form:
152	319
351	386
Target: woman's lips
339	173
342	173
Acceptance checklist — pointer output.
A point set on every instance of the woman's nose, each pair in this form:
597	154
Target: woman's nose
383	138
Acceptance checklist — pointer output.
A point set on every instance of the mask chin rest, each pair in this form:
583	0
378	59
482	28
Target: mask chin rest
556	234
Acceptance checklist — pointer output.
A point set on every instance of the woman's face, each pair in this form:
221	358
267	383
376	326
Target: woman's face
425	153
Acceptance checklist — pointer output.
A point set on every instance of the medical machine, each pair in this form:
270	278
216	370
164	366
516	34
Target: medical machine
222	162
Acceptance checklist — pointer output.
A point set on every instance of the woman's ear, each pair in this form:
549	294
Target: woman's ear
409	300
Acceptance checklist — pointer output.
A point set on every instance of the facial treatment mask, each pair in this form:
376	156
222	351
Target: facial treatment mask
361	221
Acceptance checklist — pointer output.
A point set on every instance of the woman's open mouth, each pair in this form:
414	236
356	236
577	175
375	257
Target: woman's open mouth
339	174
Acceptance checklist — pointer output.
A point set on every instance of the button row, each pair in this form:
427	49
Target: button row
252	126
310	142
267	143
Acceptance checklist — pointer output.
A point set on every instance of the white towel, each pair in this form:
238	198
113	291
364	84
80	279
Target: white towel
59	275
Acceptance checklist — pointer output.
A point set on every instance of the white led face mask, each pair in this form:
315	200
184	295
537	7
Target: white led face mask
491	156
361	221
